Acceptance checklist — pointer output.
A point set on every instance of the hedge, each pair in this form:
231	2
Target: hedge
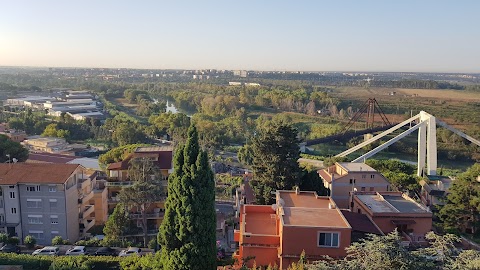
30	262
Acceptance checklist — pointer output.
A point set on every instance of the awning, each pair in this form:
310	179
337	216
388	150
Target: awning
403	222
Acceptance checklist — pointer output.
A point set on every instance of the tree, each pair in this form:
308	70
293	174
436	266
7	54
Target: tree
126	133
311	181
275	161
53	131
145	191
117	224
12	149
187	234
30	241
245	155
462	210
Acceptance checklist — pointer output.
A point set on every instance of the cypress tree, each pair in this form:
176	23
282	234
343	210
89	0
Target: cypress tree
188	232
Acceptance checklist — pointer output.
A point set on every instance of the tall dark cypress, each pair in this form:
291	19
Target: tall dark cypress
188	232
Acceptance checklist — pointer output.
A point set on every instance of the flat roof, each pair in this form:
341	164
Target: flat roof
303	199
142	149
385	203
260	223
314	217
356	167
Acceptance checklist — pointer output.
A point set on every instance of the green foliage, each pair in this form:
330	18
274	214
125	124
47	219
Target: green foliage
401	175
190	209
117	223
58	240
27	261
311	181
3	237
330	161
29	241
245	155
146	190
53	131
462	209
126	133
118	154
13	240
14	149
85	262
174	125
275	165
146	262
153	243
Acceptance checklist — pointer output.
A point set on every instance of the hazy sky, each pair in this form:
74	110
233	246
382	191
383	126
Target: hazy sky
402	35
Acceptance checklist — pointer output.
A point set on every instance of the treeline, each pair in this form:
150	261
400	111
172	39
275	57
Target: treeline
416	84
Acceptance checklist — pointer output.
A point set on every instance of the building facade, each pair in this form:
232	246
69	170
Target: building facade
299	221
44	200
343	178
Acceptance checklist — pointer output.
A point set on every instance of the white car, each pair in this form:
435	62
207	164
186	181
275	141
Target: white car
76	250
130	252
48	251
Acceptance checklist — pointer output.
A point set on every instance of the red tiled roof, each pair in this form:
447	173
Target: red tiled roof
360	222
11	174
49	158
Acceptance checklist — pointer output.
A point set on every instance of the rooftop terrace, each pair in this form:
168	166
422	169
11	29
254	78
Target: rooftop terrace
390	203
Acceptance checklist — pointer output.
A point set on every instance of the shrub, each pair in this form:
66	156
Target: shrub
149	261
71	263
30	241
153	243
3	237
13	240
28	262
57	240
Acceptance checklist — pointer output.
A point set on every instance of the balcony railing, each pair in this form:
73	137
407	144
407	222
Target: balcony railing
89	209
149	215
119	184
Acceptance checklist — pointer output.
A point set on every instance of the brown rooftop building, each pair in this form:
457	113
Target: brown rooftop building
271	233
344	177
394	210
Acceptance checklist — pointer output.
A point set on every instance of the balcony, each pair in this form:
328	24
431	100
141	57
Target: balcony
88	224
89	209
84	198
119	184
157	214
113	200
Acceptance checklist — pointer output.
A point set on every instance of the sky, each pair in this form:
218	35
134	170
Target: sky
340	35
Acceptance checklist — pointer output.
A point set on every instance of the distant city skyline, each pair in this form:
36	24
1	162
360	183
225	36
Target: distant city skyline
363	36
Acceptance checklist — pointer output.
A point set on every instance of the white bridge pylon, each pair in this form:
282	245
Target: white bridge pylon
427	141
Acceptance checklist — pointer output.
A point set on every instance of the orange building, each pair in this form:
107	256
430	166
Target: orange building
299	221
394	210
344	177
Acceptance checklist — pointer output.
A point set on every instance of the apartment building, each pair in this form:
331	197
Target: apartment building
298	221
118	178
394	210
45	200
47	144
343	178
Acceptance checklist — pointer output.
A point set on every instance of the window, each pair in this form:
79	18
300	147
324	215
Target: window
52	189
372	188
37	188
36	234
14	210
363	188
364	176
372	176
53	203
12	194
2	218
327	239
35	219
34	203
1	192
54	219
30	188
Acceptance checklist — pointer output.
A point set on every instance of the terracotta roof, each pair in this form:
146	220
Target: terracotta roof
49	158
11	174
360	222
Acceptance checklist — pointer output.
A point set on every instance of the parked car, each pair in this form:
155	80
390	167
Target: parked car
76	250
106	251
9	248
48	251
131	251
